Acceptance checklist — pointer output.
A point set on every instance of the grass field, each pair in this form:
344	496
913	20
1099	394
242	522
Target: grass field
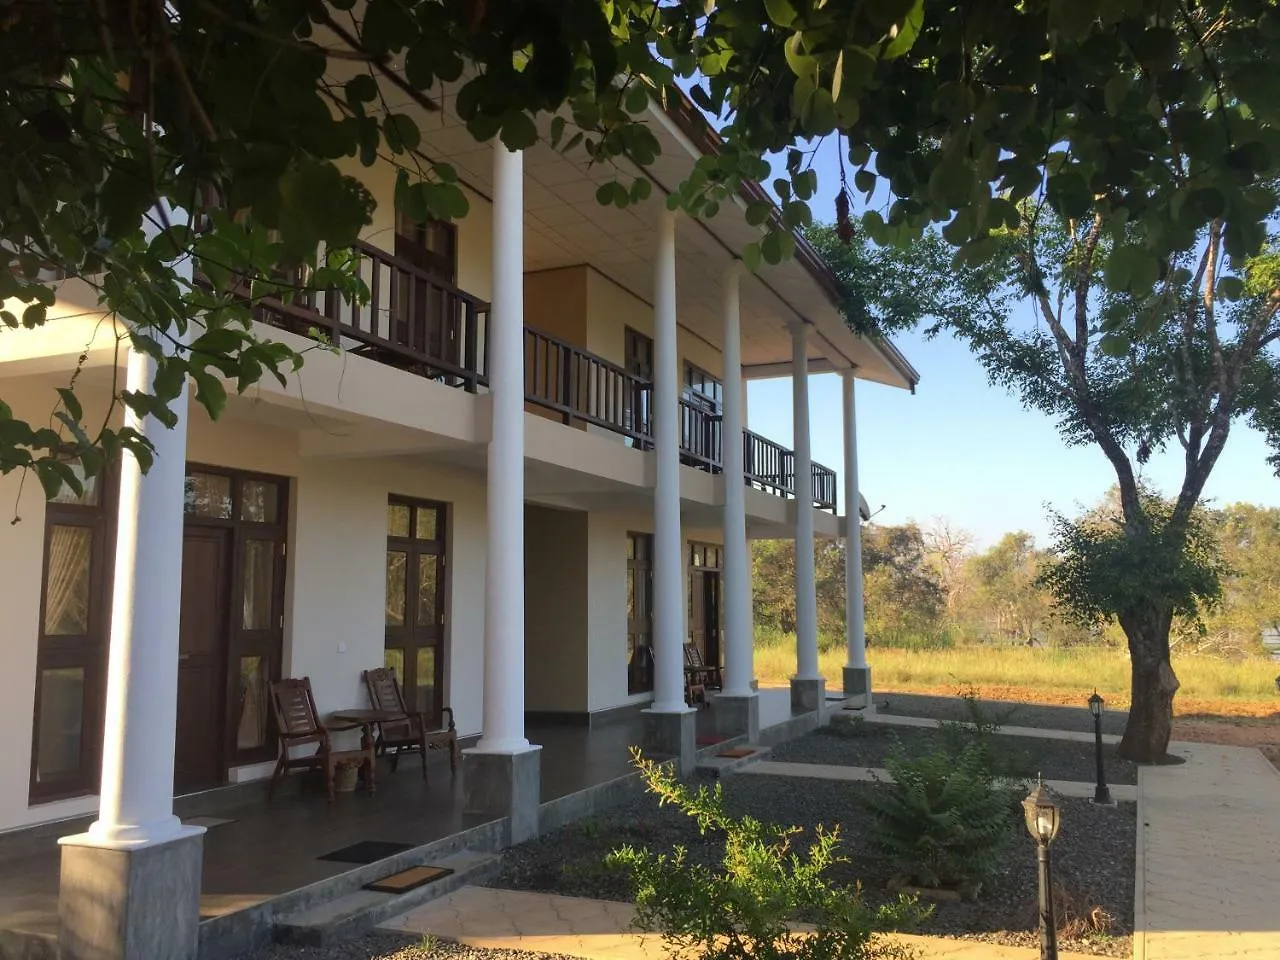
1226	688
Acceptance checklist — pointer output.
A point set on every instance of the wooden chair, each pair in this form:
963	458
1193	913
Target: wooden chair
706	674
413	733
299	724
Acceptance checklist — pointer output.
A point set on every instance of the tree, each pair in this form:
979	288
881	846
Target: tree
949	549
1249	537
1005	588
129	126
905	599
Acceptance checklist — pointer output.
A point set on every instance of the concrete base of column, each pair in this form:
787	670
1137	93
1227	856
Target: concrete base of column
141	903
672	735
505	785
857	686
736	716
808	695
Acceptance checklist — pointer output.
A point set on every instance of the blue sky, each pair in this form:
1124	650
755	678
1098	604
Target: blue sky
969	452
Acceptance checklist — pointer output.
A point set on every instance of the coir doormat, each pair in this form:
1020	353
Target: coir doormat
367	851
734	753
407	880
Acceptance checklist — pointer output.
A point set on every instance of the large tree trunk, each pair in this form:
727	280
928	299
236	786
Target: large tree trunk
1153	685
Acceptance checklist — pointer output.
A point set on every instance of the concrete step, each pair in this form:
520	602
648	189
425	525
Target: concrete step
721	766
359	911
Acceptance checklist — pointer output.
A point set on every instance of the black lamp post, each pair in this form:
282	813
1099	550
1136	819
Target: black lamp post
1043	819
1101	793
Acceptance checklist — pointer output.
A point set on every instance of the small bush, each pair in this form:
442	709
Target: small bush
750	907
944	820
978	732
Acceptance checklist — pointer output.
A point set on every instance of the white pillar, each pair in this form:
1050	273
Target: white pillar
806	595
854	627
737	564
136	806
504	555
669	612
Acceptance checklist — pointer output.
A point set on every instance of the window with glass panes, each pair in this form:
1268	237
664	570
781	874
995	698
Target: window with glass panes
639	612
703	387
415	601
71	651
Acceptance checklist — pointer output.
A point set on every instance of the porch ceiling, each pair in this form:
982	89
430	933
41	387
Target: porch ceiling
565	226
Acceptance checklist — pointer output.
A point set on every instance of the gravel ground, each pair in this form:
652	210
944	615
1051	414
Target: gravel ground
1093	858
868	744
1014	714
395	947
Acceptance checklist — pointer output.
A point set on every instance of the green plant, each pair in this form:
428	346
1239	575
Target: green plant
944	819
764	888
977	732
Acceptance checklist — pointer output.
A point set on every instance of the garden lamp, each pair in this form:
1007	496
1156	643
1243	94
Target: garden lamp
1043	819
1101	793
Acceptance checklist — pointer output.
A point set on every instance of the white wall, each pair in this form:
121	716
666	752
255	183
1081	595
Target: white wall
336	576
555	601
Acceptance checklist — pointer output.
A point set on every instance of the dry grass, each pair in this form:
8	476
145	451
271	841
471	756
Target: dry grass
1221	687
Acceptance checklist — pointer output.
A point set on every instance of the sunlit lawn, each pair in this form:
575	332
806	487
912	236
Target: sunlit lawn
1051	675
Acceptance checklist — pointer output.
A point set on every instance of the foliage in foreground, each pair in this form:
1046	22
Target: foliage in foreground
944	820
765	888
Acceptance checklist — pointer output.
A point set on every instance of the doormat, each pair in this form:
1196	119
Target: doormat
735	753
407	880
367	851
207	822
709	739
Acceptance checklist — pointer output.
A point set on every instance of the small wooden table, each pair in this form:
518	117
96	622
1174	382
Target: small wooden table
365	720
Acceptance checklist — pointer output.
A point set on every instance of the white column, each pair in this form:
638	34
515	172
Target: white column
669	613
737	573
136	806
504	559
854	628
806	595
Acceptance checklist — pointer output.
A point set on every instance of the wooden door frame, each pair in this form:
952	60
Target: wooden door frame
222	656
403	639
236	647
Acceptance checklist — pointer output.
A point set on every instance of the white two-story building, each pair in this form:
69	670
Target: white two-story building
523	479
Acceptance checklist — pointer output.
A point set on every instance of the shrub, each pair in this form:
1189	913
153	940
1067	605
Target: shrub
944	820
750	907
978	732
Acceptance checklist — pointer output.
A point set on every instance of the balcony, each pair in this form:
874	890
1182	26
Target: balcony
419	323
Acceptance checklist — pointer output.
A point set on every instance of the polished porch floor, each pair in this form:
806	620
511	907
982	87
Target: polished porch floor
266	849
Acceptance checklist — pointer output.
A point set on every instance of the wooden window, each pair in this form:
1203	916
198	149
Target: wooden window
71	650
431	246
639	612
415	601
703	388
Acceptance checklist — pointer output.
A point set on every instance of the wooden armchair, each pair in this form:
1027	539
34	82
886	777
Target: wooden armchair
413	733
299	724
694	666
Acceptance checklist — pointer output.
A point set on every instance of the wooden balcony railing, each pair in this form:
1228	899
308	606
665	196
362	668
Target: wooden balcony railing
422	324
412	320
581	386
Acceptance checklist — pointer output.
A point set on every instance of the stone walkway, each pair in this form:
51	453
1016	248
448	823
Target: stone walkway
1209	860
827	771
601	929
1208	875
1011	730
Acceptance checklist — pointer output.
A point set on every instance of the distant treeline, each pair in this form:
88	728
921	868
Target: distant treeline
926	586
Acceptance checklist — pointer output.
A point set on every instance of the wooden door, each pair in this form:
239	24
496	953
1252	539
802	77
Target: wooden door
415	602
639	363
427	319
711	618
202	658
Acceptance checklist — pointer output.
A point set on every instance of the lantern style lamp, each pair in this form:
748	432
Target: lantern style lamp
1043	818
1101	792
